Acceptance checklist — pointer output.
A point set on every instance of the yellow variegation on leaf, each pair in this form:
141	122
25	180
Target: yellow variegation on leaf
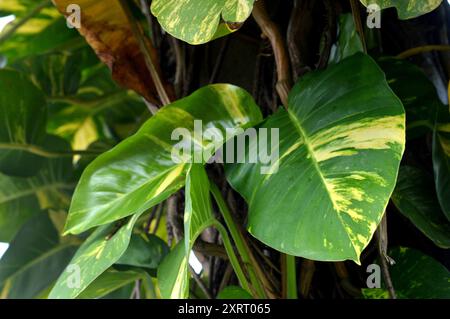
340	145
199	21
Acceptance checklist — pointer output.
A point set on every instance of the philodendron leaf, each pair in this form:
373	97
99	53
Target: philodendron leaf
99	252
415	197
406	9
34	259
141	172
340	145
199	21
415	276
441	158
173	274
21	198
115	44
23	114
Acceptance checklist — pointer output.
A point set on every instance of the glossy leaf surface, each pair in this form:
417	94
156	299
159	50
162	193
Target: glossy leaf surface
198	21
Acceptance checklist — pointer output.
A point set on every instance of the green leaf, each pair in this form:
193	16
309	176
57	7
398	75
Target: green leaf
416	91
34	259
415	276
234	292
21	198
140	172
441	158
340	145
56	74
348	42
406	9
99	252
110	281
145	251
23	115
198	22
173	274
415	197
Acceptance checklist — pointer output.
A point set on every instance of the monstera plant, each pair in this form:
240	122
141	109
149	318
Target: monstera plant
253	146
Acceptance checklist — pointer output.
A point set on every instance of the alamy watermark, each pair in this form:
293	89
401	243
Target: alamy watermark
373	16
73	19
237	145
374	279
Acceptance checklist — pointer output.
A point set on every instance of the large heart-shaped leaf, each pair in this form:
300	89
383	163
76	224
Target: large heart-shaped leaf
34	259
106	28
340	145
23	115
415	197
406	9
140	171
21	198
441	158
415	276
199	21
99	252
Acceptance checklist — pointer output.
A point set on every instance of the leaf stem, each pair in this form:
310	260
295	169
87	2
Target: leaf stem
291	277
232	256
240	242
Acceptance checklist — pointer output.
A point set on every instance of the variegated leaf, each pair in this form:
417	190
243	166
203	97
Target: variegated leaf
406	9
340	145
199	21
99	252
140	172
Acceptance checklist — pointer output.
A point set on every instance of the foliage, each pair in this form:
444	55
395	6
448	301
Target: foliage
111	178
